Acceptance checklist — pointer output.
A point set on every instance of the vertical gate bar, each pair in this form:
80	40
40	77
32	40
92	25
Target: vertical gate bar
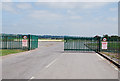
86	44
79	43
29	42
114	46
71	44
64	43
89	42
86	40
6	41
19	41
68	44
99	44
76	44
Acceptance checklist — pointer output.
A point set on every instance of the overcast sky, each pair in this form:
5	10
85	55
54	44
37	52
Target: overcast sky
60	18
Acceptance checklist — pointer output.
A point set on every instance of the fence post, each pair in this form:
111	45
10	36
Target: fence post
29	41
6	42
99	39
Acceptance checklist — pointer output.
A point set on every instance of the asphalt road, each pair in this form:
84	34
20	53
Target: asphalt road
49	61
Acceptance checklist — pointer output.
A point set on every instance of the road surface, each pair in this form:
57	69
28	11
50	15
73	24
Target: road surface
49	61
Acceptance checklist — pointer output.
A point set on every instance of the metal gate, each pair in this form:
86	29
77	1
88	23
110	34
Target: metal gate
15	41
82	44
33	42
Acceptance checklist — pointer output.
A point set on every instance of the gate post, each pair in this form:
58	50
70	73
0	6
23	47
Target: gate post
99	39
29	41
6	40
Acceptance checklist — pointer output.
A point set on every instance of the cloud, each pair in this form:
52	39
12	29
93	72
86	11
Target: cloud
73	5
58	5
6	0
113	9
77	0
60	0
24	6
88	28
75	17
19	0
0	6
93	5
15	7
113	19
48	16
44	15
72	17
70	11
9	7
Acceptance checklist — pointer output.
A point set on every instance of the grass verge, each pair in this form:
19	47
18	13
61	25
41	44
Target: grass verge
7	52
112	55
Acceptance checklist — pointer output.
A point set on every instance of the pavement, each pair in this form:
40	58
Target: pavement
49	61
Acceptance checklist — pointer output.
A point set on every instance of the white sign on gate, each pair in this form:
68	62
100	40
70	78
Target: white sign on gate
104	45
24	42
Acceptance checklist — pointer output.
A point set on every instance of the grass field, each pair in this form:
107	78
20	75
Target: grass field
57	40
7	52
